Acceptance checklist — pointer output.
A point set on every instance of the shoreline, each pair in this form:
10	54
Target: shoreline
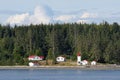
97	67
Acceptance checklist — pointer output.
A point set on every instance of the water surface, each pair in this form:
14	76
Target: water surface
58	74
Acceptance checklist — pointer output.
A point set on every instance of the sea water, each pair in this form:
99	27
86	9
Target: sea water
58	74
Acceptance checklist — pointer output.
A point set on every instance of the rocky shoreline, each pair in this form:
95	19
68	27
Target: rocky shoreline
97	67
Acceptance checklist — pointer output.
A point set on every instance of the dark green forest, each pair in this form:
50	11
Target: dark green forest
100	42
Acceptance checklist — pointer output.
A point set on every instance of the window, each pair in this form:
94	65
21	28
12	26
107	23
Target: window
58	58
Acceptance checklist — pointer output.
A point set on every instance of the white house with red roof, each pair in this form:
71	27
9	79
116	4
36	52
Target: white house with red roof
35	58
84	62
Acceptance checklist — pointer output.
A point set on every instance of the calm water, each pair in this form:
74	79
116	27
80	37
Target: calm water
58	74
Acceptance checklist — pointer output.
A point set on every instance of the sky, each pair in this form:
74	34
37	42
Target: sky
58	11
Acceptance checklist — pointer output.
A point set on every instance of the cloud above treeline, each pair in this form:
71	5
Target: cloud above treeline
45	15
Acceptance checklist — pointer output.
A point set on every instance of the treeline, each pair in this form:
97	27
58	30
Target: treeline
95	42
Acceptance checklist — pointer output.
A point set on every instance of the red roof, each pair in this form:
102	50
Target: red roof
85	60
78	54
41	57
32	56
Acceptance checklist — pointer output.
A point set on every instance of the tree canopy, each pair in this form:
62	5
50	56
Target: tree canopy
100	42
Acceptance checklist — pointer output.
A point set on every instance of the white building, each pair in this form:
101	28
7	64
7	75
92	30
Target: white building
84	62
60	59
35	58
32	64
79	61
93	63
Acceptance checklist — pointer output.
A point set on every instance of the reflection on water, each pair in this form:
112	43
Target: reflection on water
58	74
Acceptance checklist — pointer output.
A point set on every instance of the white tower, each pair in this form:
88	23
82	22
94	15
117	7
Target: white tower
78	58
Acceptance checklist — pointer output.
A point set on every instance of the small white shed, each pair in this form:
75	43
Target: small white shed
32	64
60	59
93	63
84	62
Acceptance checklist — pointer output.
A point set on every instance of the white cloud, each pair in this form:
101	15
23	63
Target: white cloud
17	19
45	15
65	18
40	16
89	15
82	21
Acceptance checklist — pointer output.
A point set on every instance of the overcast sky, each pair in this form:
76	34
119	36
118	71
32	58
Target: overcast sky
62	11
